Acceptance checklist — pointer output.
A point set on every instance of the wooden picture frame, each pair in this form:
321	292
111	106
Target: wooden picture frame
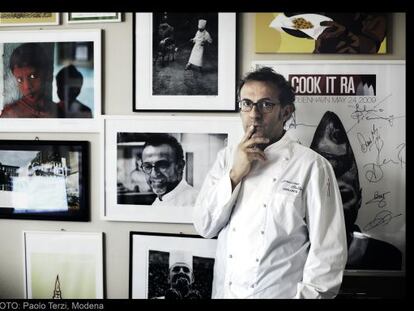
12	19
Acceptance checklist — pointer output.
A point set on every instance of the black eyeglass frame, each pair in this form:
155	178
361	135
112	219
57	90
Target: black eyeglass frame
259	105
155	166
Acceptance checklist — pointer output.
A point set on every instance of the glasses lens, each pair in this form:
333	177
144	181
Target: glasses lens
266	106
160	165
245	105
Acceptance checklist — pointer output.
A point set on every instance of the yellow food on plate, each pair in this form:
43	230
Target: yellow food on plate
301	23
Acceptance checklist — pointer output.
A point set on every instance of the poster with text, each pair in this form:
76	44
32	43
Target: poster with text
353	114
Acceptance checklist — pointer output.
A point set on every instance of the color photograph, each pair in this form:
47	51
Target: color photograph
321	33
50	74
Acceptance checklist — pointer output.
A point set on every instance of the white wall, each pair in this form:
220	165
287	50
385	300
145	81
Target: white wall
117	100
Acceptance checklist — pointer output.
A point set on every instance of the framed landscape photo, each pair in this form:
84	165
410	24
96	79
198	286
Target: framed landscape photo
12	19
93	17
66	66
184	61
170	266
155	166
44	180
63	265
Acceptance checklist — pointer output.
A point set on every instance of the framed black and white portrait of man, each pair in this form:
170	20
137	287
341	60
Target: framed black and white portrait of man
170	266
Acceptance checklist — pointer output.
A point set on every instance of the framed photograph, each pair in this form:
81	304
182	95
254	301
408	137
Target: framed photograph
12	19
92	17
354	114
321	32
155	166
63	265
184	62
170	266
44	180
65	69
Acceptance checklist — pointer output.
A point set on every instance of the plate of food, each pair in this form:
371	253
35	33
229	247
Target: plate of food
300	25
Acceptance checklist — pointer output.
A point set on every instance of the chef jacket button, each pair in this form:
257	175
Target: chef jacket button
230	256
262	232
274	179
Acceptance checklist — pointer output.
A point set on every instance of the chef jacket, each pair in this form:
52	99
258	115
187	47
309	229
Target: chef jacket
281	231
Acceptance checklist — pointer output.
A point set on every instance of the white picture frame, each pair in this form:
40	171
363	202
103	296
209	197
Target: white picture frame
200	138
80	48
187	90
152	256
93	17
63	265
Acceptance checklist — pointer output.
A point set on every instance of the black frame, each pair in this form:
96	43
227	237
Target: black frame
153	234
134	74
83	147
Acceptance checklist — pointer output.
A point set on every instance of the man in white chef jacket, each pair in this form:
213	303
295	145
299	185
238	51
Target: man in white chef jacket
274	204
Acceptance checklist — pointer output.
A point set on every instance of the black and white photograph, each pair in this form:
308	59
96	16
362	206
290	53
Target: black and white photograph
44	180
50	74
184	61
352	113
185	53
158	170
171	266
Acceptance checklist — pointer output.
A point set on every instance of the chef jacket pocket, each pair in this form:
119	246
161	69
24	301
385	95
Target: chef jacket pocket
287	209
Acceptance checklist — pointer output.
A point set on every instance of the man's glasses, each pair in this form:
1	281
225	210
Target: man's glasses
263	105
161	166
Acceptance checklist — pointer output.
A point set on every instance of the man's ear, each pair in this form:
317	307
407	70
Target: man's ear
180	165
287	112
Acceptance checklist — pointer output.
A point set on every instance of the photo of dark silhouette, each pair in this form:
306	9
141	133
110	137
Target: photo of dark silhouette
69	83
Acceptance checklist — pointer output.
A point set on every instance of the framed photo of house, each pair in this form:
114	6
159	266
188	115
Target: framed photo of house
184	61
63	265
44	180
170	266
11	19
155	166
66	66
93	17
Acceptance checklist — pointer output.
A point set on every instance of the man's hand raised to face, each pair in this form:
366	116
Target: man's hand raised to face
247	152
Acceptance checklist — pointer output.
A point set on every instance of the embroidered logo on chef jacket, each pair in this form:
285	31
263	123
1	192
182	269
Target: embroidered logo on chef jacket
291	187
